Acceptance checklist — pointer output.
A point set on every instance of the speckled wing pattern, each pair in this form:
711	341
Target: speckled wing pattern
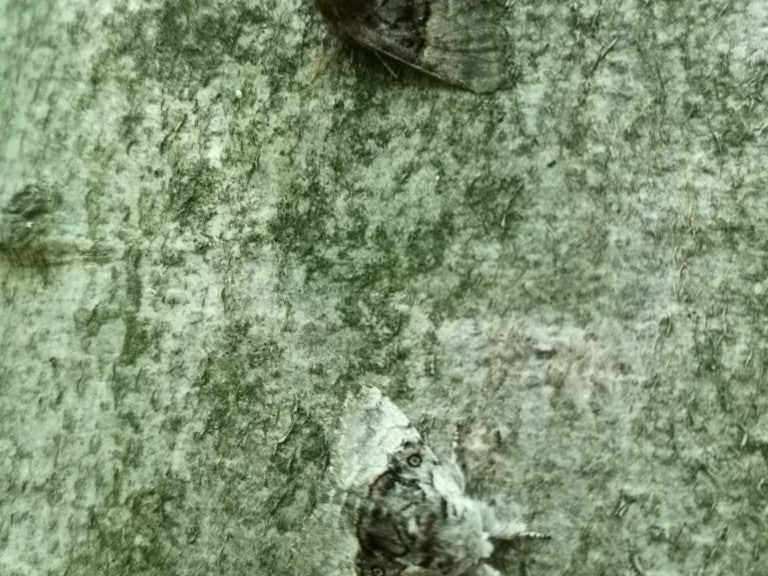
458	42
408	507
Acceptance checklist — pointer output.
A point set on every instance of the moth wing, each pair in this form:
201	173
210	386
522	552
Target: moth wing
370	430
373	563
467	51
457	44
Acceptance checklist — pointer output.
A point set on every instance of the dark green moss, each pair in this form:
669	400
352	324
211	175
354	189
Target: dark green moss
147	542
185	41
191	193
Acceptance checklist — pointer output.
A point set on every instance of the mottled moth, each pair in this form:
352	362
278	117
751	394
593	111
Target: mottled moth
457	41
407	506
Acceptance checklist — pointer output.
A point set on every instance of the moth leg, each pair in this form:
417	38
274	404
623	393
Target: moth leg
386	64
456	448
512	531
514	534
457	463
528	535
507	530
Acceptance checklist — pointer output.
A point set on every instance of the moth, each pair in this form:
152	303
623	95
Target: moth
407	506
456	41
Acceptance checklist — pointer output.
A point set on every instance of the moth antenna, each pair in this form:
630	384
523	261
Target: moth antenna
386	64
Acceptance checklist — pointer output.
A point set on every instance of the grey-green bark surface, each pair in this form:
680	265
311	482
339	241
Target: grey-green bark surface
217	223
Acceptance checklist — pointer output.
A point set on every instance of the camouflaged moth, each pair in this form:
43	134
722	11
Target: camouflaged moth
408	507
456	41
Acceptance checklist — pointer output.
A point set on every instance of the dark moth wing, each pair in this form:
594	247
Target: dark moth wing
456	41
373	563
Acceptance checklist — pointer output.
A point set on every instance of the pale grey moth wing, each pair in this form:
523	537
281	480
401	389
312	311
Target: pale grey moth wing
371	429
457	41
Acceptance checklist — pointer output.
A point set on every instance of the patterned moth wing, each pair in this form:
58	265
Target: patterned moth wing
423	497
373	563
407	506
456	41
